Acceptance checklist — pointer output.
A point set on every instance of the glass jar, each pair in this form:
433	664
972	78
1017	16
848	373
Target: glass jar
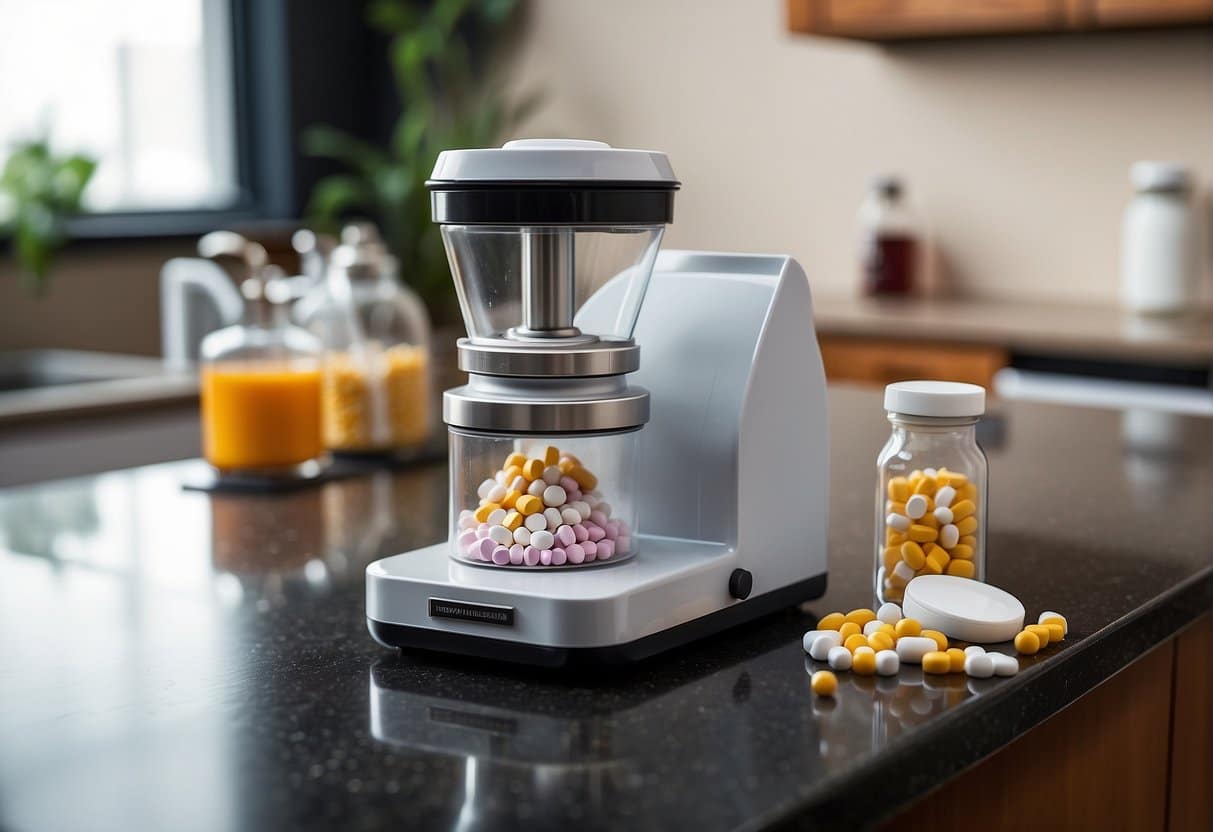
931	481
376	334
542	501
260	389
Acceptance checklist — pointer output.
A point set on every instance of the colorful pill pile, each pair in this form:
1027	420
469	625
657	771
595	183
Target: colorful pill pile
930	528
881	641
541	512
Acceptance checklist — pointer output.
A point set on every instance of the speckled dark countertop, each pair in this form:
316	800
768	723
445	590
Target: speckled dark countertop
173	659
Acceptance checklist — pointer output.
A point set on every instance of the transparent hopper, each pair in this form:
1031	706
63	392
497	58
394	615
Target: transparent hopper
528	284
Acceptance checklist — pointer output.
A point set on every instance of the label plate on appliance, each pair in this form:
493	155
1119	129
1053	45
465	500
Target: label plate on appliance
464	611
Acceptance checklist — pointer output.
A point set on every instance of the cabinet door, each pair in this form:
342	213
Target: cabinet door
1112	13
880	362
892	19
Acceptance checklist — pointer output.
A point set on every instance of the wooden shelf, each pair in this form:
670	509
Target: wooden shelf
890	20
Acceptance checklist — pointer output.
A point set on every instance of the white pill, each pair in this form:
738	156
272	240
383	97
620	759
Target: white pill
872	626
820	648
839	658
604	507
949	536
583	508
945	496
897	521
535	489
570	516
467	520
522	535
551	475
930	472
536	522
552	518
916	506
519	483
811	636
485	487
1004	665
943	515
502	535
499	478
974	650
542	539
979	665
904	571
889	613
911	649
554	495
497	493
497	516
887	663
1065	625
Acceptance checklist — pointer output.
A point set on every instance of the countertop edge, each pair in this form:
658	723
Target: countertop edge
1051	688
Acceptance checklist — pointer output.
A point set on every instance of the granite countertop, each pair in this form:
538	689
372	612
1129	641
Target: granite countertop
1080	330
173	659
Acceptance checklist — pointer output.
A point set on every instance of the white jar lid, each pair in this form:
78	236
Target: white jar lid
555	160
1152	175
944	399
963	608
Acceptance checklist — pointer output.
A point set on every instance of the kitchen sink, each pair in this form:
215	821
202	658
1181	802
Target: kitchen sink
38	369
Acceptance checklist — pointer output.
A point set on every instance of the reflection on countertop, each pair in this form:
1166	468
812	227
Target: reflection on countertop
171	654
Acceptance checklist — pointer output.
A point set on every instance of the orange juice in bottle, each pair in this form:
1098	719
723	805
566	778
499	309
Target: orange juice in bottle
261	390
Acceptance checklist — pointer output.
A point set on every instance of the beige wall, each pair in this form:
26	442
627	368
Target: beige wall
1016	149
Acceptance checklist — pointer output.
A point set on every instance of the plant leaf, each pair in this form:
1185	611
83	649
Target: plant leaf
331	143
391	16
335	196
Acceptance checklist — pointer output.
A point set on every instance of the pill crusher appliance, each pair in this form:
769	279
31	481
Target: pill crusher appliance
715	442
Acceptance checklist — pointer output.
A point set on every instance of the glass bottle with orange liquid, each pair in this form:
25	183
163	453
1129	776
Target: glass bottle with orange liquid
261	388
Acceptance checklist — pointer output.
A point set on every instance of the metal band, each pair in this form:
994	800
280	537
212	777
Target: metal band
508	358
462	408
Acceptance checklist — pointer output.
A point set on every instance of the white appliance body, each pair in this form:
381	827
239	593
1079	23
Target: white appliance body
731	485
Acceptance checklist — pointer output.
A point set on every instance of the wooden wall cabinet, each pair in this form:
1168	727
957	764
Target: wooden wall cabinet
878	361
887	20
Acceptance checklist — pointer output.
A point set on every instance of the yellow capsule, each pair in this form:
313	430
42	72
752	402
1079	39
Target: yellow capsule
932	567
967	525
1042	633
962	510
968	491
1056	631
912	554
893	593
515	458
551	455
928	519
482	514
863	662
961	568
512	471
907	627
921	534
940	556
1027	643
936	662
951	478
510	499
532	469
584	478
887	628
968	540
528	504
957	657
938	637
861	616
855	641
892	555
566	465
824	683
880	641
899	489
891	507
848	629
962	552
830	622
926	485
512	520
892	537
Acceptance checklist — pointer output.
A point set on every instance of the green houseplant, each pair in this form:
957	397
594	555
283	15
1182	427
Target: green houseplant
39	190
439	53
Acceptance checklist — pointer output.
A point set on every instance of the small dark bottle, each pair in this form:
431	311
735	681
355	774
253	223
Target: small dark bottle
889	253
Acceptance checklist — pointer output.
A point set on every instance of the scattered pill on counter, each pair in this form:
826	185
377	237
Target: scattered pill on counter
1027	643
824	683
839	658
1049	617
936	661
1004	665
979	665
863	661
887	663
890	613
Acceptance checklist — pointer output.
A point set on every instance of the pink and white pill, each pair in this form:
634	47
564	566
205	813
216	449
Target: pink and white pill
581	533
624	529
606	549
598	518
559	556
568	484
566	536
466	539
501	556
530	556
623	544
516	552
545	557
575	553
590	547
483	548
595	533
467	520
482	530
612	530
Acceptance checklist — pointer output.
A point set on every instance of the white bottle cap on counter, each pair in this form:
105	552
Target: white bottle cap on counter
943	399
962	608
